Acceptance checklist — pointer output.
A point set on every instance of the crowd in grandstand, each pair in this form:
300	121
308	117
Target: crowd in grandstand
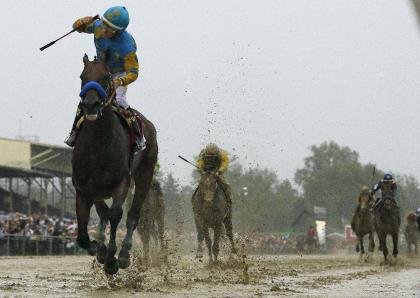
36	226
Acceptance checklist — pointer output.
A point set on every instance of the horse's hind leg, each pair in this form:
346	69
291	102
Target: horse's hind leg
143	179
216	239
228	227
83	214
102	209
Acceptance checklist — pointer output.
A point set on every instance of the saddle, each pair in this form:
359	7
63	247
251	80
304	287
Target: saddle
128	117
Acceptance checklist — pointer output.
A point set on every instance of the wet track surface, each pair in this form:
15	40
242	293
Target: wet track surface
266	276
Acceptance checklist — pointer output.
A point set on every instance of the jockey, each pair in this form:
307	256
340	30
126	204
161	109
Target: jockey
388	188
117	49
213	159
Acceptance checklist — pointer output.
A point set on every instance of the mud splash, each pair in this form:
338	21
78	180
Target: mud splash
241	275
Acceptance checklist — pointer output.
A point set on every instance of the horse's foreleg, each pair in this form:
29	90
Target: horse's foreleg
200	236
216	239
228	227
115	213
103	211
395	244
371	242
362	247
83	214
382	240
143	180
208	243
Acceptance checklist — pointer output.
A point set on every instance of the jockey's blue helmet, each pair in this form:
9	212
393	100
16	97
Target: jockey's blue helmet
116	17
388	177
418	212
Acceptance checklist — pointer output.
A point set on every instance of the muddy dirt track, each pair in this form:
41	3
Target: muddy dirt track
266	276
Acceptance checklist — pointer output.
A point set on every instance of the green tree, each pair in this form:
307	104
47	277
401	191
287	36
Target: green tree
171	193
332	177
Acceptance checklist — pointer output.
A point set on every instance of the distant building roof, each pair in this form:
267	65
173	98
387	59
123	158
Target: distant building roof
34	159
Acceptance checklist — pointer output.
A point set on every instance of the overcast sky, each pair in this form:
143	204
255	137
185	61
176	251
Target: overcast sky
263	79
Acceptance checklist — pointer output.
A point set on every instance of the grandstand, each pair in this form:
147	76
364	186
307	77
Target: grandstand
35	177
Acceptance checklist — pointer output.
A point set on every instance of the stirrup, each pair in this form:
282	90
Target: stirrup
139	145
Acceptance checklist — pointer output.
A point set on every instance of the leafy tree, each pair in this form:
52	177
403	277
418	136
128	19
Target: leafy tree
332	177
171	192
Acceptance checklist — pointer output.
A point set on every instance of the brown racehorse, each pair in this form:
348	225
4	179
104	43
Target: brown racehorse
387	221
210	210
101	169
362	224
410	233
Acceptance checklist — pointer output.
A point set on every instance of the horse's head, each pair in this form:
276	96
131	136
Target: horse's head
96	86
389	203
365	202
208	186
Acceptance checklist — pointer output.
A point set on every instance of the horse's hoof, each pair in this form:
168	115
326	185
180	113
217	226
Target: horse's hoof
111	267
93	248
123	259
101	254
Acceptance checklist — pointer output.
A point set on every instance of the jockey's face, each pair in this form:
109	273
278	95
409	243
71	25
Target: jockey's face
108	32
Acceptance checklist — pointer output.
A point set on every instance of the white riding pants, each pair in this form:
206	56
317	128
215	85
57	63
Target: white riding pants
121	92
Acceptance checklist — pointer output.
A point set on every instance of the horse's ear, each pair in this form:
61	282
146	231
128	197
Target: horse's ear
85	59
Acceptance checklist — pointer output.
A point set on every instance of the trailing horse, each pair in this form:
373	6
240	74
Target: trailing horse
387	221
103	168
210	210
363	224
151	222
410	233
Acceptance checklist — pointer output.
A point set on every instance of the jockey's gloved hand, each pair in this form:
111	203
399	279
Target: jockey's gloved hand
117	83
84	21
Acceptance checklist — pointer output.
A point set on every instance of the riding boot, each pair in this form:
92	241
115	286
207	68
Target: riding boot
140	143
71	139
